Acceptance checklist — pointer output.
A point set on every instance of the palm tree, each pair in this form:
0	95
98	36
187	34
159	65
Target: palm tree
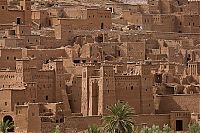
93	129
5	126
120	119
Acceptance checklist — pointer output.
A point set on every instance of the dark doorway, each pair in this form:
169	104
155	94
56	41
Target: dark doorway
49	22
18	20
10	119
179	125
102	26
111	9
158	78
119	53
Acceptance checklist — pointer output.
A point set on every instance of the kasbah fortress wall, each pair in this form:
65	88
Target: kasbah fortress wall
66	64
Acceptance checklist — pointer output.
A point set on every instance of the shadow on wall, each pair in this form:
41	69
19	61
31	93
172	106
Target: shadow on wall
166	104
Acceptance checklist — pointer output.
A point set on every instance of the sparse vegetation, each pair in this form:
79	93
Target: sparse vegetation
194	128
156	129
93	129
57	130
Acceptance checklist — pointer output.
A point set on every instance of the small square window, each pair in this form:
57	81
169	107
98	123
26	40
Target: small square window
131	87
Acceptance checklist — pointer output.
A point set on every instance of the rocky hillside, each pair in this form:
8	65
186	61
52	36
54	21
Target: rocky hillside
121	1
134	1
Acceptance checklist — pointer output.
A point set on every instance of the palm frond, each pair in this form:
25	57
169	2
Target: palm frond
4	126
120	119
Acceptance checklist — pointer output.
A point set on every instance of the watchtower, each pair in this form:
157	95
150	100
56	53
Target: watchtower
25	5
